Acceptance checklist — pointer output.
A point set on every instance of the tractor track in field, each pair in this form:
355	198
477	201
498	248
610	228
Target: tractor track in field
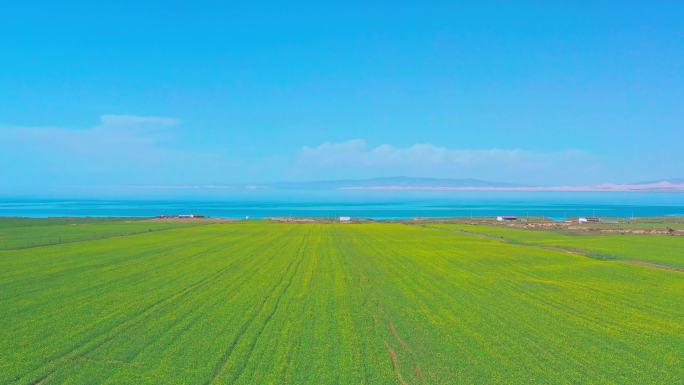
531	326
157	250
189	322
270	315
541	300
139	317
198	315
393	330
381	313
535	299
395	363
41	380
225	357
335	237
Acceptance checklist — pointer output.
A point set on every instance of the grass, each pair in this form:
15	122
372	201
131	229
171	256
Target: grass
23	232
263	303
664	250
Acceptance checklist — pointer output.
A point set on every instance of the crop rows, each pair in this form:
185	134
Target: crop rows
263	303
16	233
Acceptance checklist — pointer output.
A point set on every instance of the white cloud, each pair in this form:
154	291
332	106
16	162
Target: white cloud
120	149
149	150
122	131
357	158
137	121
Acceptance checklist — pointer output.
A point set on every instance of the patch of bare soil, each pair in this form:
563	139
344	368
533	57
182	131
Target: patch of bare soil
192	220
655	265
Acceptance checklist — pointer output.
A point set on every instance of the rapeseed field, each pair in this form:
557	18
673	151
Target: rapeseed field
270	303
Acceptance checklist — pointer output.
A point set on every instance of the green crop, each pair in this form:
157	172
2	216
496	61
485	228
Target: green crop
265	303
664	250
21	232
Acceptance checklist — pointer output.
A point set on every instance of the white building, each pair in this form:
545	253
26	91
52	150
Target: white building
588	220
345	219
506	218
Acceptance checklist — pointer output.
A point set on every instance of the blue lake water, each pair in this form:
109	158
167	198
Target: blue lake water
385	206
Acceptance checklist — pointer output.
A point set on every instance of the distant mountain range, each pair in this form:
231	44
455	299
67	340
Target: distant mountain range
402	183
443	184
398	181
671	180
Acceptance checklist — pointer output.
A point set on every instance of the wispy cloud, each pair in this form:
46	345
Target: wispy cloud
138	135
137	121
119	149
356	157
148	151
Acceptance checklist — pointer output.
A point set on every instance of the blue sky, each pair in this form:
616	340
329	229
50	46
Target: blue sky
196	93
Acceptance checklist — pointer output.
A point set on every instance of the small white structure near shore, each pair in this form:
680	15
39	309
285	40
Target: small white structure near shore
506	218
588	220
183	216
345	219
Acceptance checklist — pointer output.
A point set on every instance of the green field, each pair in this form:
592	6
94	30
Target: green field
664	250
18	233
267	303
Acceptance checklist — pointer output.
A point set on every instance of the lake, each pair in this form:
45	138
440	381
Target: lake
554	205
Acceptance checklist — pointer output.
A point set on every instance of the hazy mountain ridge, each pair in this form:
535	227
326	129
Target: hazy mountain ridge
668	180
390	182
417	183
469	184
406	183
